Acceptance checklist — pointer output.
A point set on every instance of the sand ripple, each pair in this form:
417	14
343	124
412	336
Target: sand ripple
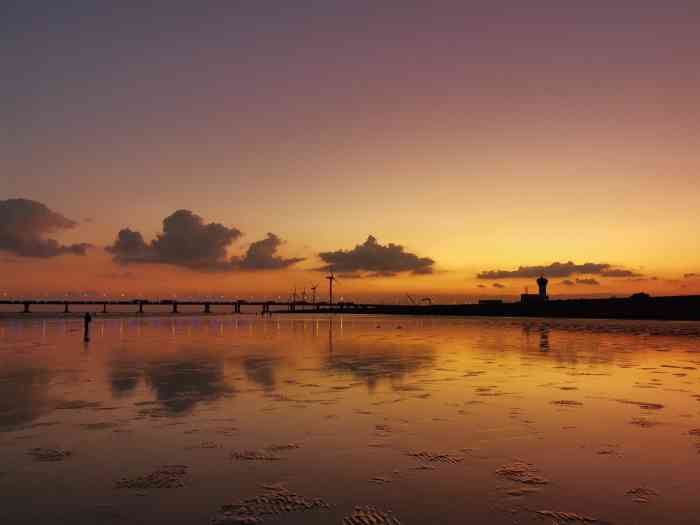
642	494
522	472
76	405
370	516
567	403
49	454
276	501
254	455
569	517
436	458
641	404
167	477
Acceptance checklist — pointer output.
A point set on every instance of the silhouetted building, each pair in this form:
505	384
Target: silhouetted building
490	301
538	297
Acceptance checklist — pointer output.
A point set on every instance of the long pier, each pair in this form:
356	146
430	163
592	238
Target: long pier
265	307
684	307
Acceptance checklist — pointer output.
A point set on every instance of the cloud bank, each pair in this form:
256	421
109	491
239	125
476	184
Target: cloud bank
587	282
188	242
261	255
557	269
24	225
376	260
620	273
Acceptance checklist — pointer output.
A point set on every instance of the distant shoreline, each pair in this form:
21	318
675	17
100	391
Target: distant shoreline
671	308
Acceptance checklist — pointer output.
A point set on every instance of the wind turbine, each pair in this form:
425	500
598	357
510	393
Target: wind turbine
313	291
330	278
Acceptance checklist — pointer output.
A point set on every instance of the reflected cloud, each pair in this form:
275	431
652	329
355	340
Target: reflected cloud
24	396
180	385
123	381
373	362
261	370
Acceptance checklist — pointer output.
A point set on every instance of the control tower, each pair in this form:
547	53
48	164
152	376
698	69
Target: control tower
542	285
537	298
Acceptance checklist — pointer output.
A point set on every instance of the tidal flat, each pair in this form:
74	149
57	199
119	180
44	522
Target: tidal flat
234	419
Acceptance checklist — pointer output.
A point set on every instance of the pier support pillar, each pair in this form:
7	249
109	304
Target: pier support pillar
237	308
140	308
26	308
207	308
174	308
65	308
104	308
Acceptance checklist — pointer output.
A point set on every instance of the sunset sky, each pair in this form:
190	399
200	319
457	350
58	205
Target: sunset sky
477	138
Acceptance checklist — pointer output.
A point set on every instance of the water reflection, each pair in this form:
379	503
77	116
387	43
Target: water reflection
373	361
261	370
180	385
177	384
24	395
544	339
123	380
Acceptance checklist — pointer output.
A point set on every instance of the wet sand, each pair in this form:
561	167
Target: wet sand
304	420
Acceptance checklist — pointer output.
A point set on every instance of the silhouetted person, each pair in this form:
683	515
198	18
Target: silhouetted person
88	320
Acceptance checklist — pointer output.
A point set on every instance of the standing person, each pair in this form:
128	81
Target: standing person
88	320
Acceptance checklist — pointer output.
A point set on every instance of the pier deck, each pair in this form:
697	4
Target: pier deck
667	308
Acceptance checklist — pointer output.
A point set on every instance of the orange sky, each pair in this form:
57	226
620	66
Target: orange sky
483	137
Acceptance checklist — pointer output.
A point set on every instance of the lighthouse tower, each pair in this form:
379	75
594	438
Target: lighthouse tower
542	284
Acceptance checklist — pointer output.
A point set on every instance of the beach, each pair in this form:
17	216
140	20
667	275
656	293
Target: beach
334	419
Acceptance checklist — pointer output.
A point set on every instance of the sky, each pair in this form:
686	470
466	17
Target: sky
441	149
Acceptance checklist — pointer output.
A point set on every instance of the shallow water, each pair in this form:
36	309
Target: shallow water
301	420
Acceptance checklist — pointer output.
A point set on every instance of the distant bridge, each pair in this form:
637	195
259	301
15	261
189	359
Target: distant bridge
266	307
